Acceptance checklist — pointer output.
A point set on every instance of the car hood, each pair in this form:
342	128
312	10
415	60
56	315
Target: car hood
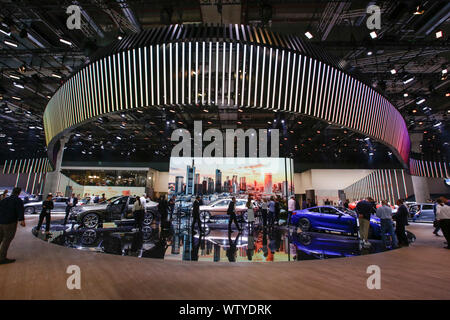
32	204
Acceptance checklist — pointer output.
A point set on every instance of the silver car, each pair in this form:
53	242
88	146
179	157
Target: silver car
220	207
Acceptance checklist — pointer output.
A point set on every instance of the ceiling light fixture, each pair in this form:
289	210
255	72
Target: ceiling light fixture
56	75
393	71
16	98
18	85
308	35
418	11
408	80
373	35
437	124
6	33
421	101
14	77
9	43
369	53
405	94
65	42
439	34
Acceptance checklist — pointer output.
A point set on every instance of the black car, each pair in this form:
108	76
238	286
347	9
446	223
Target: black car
117	208
36	207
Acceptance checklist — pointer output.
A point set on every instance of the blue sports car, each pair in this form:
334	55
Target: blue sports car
329	218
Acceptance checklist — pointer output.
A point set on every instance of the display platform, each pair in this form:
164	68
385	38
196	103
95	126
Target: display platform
216	244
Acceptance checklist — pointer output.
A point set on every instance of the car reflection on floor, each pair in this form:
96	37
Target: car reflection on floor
253	244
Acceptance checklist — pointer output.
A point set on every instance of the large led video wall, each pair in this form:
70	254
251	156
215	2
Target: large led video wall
258	176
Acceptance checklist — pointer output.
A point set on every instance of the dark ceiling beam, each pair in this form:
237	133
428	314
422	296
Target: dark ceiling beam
388	44
41	52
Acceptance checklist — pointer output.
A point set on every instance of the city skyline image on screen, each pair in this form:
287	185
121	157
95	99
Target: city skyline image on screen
229	175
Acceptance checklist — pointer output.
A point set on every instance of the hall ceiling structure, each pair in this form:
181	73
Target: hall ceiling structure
31	72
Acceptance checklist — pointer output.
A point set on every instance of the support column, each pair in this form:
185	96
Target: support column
149	187
52	179
421	189
420	184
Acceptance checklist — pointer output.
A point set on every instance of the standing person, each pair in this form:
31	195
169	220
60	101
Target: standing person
4	195
172	206
308	204
250	211
364	208
163	208
401	219
277	210
385	214
70	203
138	213
443	218
346	203
102	199
271	211
196	215
436	225
143	199
264	208
11	212
291	207
47	207
231	211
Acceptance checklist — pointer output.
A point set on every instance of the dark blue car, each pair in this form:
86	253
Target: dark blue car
329	218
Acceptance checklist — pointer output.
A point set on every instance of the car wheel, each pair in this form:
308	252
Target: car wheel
29	210
304	238
91	220
304	224
205	216
88	237
148	219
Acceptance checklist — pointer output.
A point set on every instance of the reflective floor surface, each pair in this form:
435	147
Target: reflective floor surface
215	244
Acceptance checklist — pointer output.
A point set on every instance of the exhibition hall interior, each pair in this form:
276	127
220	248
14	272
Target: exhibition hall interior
224	150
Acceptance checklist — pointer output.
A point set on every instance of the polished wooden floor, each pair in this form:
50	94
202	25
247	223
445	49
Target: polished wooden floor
421	271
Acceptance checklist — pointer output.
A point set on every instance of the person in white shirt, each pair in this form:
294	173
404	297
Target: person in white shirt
144	199
291	207
443	218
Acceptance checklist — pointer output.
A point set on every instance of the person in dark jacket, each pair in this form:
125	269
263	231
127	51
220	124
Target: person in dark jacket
231	211
172	206
163	207
196	215
277	210
71	202
47	207
11	212
401	220
365	208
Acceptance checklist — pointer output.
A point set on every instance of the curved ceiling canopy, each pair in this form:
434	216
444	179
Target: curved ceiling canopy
232	65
